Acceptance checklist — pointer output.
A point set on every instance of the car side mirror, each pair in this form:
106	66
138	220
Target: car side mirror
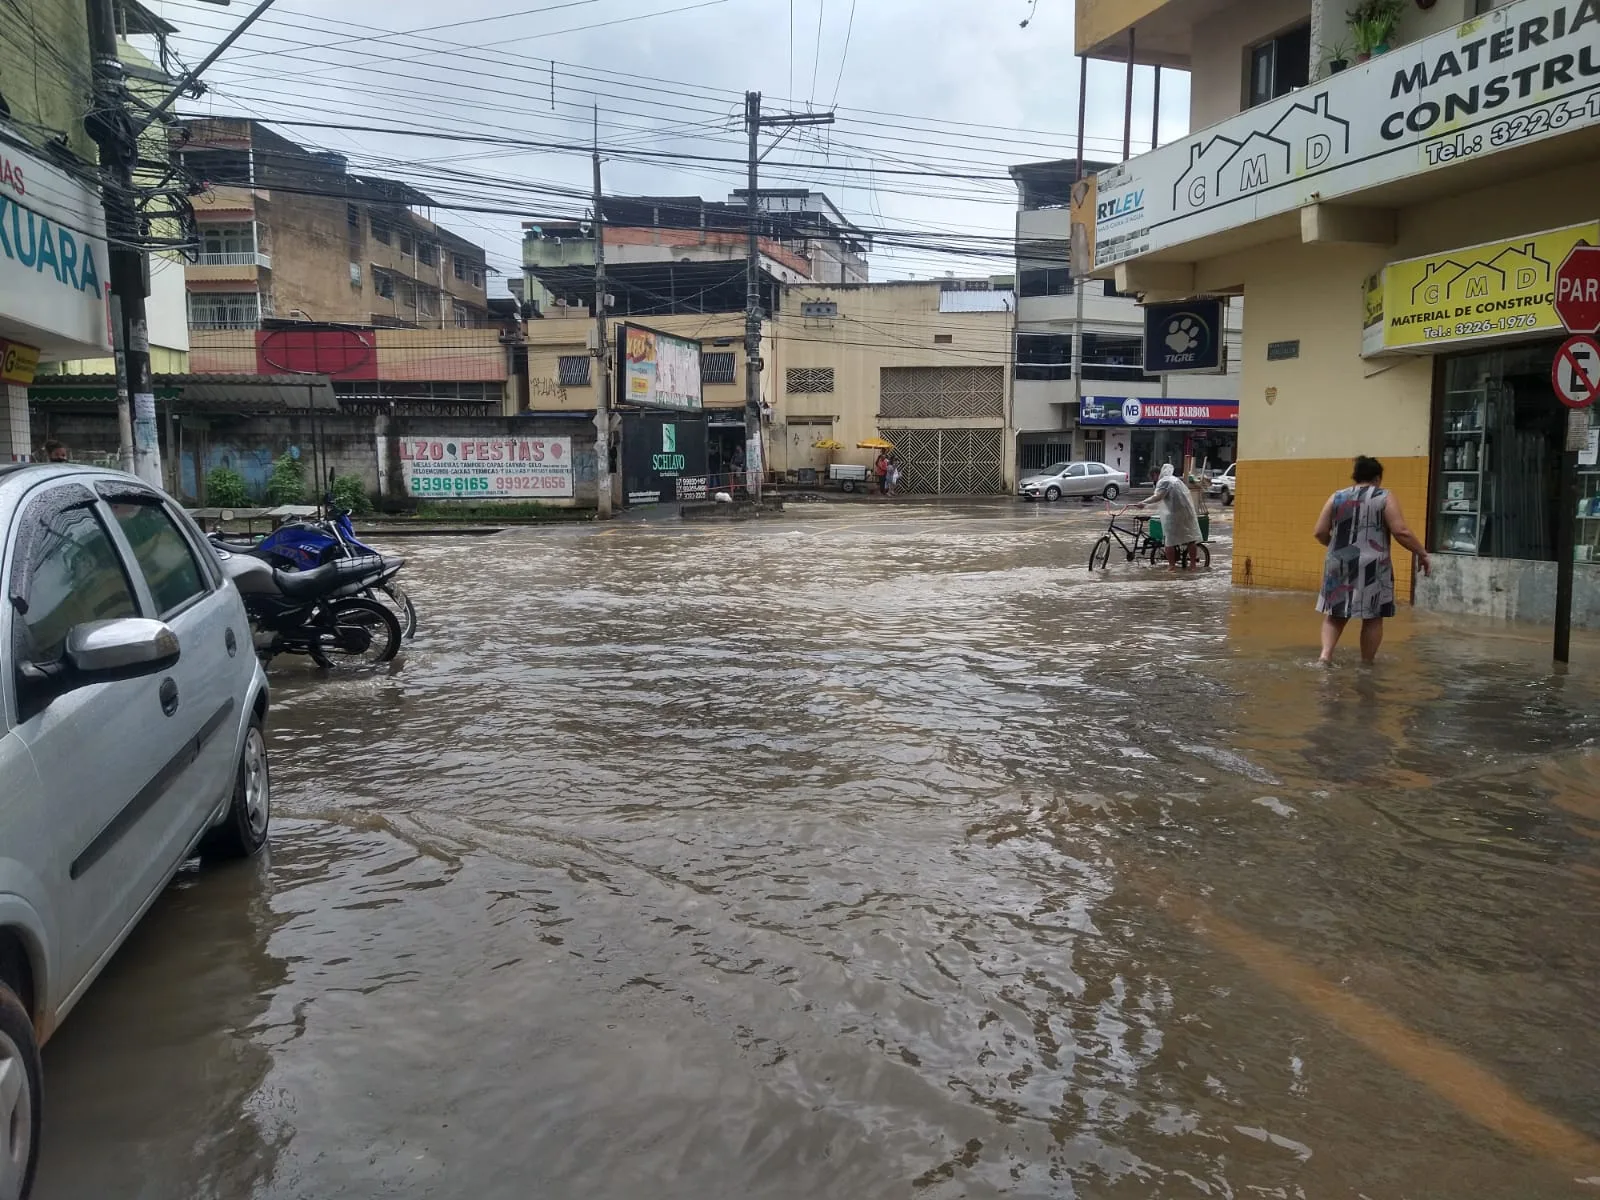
123	648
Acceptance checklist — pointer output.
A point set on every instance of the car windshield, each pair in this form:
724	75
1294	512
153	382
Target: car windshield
1055	469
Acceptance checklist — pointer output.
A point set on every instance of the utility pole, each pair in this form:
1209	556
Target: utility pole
755	467
117	135
602	355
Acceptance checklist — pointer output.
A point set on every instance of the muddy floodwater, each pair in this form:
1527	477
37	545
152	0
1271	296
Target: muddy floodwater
874	853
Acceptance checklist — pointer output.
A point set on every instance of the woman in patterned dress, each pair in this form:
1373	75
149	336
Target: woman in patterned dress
1356	526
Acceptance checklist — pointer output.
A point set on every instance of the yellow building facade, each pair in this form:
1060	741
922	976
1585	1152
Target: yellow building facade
1396	229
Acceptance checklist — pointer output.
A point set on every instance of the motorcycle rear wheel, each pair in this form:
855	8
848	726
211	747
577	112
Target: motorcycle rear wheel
357	633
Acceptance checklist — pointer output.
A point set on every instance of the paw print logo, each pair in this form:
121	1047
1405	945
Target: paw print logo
1183	335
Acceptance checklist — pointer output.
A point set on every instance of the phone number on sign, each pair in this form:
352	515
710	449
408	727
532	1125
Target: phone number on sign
1476	328
483	485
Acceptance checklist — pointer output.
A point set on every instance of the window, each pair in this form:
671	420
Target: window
1279	66
460	267
75	575
382	231
227	245
809	381
427	302
477	279
717	367
383	283
943	339
572	370
463	317
1111	292
407	246
1113	357
163	554
230	168
408	294
1077	470
1046	281
427	254
1044	356
352	216
224	310
1098	469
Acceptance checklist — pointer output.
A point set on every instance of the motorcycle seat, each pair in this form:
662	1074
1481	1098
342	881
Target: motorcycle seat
306	585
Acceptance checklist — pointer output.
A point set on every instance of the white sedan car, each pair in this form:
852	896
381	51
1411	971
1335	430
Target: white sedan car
1087	479
131	715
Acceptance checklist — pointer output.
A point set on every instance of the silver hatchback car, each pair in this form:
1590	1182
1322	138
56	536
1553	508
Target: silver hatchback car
131	715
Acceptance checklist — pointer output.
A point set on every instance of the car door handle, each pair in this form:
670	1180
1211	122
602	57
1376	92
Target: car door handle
169	696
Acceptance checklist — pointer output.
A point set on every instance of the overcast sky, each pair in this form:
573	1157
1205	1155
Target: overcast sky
951	86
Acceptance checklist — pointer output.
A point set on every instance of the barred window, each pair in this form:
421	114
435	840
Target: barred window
717	368
810	380
573	370
224	310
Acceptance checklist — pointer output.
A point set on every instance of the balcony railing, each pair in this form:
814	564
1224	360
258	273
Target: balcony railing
235	258
1486	87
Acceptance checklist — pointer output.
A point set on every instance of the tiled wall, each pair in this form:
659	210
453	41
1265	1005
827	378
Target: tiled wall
1277	508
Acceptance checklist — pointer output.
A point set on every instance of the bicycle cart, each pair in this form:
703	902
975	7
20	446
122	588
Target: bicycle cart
1202	552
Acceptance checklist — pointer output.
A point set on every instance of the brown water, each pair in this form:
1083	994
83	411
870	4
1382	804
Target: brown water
874	854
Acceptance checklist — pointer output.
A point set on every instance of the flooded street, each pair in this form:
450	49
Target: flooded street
874	854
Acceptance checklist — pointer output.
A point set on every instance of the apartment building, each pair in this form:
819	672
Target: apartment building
1080	356
1395	225
291	233
671	254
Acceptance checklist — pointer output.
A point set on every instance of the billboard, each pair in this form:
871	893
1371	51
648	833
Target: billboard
663	458
1145	412
659	370
1478	293
1503	80
487	468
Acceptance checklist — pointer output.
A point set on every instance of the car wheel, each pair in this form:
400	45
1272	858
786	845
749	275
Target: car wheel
20	1096
1112	491
244	829
1052	493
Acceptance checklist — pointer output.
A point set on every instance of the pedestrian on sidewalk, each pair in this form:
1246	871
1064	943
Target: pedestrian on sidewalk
880	469
1356	526
891	481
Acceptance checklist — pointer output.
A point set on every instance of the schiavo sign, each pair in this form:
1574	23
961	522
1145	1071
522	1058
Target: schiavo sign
52	258
1518	74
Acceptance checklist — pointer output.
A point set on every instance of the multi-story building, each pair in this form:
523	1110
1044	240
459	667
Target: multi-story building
53	263
1080	354
290	232
670	254
1396	226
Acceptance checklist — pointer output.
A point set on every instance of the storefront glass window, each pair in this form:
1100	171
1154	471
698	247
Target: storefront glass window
1499	435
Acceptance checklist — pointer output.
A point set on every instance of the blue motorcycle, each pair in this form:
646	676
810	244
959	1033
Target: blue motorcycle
307	545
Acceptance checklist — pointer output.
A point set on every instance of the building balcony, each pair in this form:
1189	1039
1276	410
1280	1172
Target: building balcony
226	201
1162	29
243	267
1494	98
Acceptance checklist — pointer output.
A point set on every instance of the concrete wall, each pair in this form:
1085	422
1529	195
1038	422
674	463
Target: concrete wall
35	40
350	445
1302	420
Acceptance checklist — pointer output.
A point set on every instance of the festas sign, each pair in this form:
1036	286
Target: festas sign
1517	75
52	258
660	371
1493	291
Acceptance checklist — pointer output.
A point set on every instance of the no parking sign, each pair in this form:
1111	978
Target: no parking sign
1577	371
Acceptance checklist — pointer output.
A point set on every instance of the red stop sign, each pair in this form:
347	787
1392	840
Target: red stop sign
1578	290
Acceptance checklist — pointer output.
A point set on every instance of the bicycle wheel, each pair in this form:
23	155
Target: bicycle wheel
1199	557
1100	556
356	633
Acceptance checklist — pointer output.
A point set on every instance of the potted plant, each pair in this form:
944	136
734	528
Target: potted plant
1338	56
1372	24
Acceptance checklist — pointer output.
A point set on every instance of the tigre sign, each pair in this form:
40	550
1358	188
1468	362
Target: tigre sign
1519	74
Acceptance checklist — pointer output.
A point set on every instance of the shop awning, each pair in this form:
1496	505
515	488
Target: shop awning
199	393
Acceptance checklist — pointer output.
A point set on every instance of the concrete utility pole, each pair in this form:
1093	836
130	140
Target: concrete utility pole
602	355
754	122
117	135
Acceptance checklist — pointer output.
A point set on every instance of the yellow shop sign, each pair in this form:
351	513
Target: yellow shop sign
1496	290
18	363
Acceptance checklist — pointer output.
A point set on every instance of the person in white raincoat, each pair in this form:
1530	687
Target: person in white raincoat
1180	524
